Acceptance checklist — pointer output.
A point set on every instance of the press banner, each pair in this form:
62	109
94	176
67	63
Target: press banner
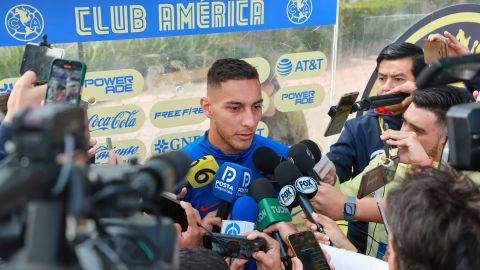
88	20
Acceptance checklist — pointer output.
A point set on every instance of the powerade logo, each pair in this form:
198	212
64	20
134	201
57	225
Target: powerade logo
232	229
300	98
295	98
294	66
24	22
123	119
112	85
175	141
299	11
284	67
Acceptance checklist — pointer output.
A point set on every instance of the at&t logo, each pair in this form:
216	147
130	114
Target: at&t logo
284	67
24	22
299	11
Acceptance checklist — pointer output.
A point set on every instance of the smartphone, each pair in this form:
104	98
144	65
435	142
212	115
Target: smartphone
306	248
433	50
39	58
65	81
340	113
171	208
234	246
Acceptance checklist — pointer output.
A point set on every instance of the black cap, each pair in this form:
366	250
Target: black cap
301	157
313	147
286	173
265	159
262	188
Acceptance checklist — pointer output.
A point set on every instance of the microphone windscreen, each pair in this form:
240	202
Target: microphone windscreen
245	209
202	171
301	156
262	188
313	147
265	159
286	173
179	161
231	181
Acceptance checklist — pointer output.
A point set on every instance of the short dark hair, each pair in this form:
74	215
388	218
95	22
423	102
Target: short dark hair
230	69
199	258
434	219
440	99
399	50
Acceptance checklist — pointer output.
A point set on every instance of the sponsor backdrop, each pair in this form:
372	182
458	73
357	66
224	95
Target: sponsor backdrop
119	109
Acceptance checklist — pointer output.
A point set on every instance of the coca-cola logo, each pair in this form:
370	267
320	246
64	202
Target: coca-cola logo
123	119
115	120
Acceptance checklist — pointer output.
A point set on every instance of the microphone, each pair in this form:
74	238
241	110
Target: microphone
202	172
270	211
322	163
160	173
244	216
303	159
305	187
265	160
379	101
231	181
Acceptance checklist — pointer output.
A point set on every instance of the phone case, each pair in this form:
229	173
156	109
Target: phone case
58	62
377	177
305	246
343	109
234	246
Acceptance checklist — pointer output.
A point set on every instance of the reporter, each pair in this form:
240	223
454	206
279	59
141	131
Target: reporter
24	95
333	233
193	236
269	260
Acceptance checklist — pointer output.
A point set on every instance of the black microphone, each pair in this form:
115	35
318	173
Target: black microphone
322	163
303	159
265	160
270	211
161	173
286	173
379	101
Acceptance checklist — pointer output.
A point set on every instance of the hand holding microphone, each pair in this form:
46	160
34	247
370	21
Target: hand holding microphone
305	188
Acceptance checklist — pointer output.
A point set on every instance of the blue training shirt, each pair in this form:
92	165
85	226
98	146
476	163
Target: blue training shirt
202	198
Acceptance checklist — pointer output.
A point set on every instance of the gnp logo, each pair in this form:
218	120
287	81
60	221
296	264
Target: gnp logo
299	11
24	22
174	141
229	174
301	65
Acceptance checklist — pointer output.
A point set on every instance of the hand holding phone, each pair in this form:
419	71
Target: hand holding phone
65	82
234	246
39	58
433	50
306	248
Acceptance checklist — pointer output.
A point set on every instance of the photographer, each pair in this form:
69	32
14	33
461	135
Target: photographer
24	95
420	142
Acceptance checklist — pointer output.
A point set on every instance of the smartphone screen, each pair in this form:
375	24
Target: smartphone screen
39	59
343	109
66	78
234	246
307	249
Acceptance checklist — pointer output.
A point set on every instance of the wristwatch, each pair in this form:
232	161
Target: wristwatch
349	208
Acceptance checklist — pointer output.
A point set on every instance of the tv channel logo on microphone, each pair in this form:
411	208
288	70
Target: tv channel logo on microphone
306	185
287	195
243	189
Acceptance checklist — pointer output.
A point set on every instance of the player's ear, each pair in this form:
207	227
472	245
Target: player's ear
205	104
